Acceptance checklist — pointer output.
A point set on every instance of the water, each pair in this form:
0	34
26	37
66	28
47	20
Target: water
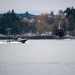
38	57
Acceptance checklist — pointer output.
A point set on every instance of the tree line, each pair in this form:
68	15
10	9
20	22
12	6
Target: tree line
41	23
15	23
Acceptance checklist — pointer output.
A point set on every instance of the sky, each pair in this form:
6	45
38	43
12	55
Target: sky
35	6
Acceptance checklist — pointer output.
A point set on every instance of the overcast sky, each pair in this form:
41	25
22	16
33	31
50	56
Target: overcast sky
35	6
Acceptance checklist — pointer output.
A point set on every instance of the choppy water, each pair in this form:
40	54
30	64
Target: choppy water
38	57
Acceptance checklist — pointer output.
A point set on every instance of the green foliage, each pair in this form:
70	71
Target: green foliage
71	17
10	20
41	24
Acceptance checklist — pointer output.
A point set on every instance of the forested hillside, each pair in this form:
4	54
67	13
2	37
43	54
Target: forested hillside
44	23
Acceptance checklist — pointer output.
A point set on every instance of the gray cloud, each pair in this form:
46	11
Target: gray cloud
35	6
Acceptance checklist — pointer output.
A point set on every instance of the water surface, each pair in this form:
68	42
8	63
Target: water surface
38	57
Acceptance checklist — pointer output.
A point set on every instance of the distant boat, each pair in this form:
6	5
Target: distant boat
17	40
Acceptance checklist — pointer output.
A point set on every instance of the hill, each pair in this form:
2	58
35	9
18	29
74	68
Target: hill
1	15
18	14
23	14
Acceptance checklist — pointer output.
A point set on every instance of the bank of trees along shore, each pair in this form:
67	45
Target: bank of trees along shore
15	23
38	23
71	19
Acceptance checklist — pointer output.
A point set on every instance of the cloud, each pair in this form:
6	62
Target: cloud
35	6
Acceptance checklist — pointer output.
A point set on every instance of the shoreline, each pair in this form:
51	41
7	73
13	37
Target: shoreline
31	37
38	37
